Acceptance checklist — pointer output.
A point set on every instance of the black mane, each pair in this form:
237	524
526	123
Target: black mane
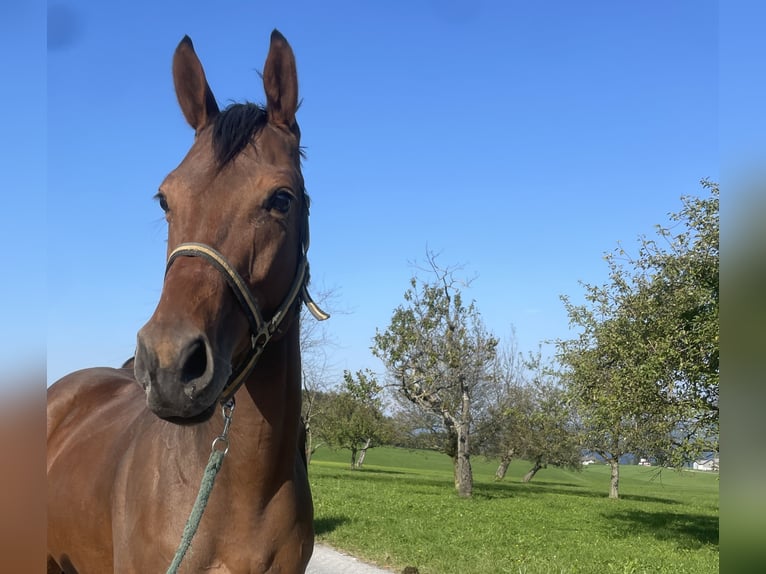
234	128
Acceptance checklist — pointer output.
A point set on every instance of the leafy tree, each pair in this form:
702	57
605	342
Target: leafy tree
353	417
530	418
439	355
611	384
683	298
643	372
502	432
552	436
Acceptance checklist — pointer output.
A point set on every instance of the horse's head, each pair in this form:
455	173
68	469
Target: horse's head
237	225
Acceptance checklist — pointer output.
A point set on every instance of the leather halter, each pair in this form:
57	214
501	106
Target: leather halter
261	331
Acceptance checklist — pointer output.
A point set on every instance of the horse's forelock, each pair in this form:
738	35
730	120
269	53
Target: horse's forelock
234	128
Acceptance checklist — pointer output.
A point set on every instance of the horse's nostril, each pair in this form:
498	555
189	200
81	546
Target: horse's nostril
196	362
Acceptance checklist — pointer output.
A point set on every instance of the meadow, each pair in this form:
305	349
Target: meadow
401	510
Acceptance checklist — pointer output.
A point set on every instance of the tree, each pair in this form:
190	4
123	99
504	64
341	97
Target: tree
553	438
683	298
530	417
353	417
316	372
414	428
438	353
644	370
502	432
612	387
317	401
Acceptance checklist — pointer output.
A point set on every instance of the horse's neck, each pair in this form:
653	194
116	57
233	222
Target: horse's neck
266	417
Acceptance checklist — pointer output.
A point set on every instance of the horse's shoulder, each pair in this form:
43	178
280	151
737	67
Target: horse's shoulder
88	390
93	381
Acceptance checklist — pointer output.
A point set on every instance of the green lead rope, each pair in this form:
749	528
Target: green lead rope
205	488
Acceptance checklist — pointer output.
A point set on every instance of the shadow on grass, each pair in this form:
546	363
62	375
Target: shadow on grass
374	470
519	489
430	485
689	531
327	524
347	471
641	498
551	483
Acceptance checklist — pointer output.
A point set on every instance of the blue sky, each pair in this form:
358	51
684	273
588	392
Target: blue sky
519	139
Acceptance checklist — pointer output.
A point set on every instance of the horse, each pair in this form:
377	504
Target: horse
127	447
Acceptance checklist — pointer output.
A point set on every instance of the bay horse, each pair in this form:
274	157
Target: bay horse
127	447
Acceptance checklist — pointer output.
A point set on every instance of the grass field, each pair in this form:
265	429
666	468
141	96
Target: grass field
401	510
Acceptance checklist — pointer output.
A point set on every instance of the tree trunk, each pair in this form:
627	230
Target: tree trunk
353	457
532	472
303	444
614	482
463	475
363	453
505	462
463	472
307	440
311	449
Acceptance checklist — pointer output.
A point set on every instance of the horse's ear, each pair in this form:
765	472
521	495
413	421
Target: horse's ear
194	95
280	81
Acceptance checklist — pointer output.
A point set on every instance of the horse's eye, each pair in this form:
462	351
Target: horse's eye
281	200
163	202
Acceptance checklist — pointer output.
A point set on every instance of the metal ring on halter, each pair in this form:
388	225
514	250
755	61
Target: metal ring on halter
219	440
227	410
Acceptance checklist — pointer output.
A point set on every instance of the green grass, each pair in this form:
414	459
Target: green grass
401	509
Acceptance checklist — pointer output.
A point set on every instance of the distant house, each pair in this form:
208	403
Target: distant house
708	464
588	460
644	462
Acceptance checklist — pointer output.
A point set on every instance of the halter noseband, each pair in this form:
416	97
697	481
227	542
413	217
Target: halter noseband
261	331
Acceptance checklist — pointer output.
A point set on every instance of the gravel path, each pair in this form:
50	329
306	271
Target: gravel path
326	560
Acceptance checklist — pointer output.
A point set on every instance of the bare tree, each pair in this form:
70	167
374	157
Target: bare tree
316	341
439	355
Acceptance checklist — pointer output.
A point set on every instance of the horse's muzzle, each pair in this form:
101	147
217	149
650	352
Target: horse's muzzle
177	371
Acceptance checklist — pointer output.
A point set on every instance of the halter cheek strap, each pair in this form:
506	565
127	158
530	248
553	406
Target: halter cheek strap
261	331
